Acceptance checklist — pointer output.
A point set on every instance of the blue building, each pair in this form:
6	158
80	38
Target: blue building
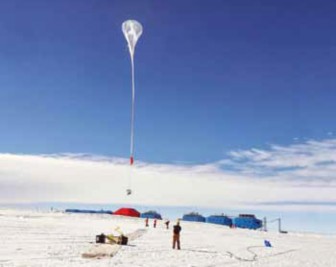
219	219
89	211
151	215
248	221
193	217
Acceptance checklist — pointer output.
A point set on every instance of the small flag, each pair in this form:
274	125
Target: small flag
267	243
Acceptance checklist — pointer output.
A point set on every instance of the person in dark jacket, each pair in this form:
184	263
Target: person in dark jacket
176	235
167	224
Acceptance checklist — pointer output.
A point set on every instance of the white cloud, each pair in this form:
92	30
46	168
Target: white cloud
313	160
284	176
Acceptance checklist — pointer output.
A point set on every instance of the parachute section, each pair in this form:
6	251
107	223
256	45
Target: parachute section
128	191
132	30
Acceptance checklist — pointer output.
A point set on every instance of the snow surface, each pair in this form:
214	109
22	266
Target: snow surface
32	238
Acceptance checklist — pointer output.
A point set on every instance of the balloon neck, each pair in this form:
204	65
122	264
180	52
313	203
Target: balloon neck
131	50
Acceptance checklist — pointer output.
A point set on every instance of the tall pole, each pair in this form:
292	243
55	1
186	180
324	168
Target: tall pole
265	224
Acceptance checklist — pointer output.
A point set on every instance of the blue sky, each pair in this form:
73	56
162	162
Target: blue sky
211	76
230	95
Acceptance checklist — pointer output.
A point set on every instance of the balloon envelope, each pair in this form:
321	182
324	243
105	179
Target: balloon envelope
132	30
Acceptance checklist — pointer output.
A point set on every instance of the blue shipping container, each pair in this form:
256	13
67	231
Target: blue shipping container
193	218
247	222
219	219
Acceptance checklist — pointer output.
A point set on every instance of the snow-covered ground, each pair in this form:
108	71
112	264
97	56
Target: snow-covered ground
30	238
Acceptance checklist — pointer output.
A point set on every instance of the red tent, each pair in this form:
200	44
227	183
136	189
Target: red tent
127	212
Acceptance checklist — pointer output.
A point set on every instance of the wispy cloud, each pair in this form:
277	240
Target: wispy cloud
313	161
300	175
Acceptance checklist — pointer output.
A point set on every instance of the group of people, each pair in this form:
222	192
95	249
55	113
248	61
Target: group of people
176	231
154	222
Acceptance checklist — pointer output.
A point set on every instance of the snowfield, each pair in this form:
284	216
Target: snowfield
31	238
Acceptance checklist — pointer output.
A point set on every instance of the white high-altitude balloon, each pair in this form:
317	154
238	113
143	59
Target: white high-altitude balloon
132	31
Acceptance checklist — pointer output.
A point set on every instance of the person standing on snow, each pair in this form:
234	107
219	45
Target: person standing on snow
167	224
176	235
154	223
